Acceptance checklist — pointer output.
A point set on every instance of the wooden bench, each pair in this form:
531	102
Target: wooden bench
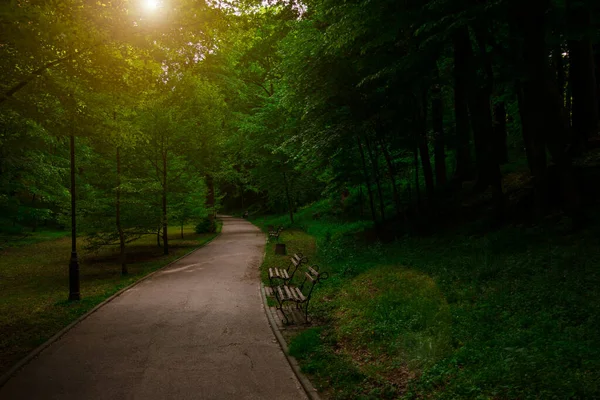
286	274
300	295
274	233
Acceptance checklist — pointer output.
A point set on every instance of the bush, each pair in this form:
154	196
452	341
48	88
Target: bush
206	225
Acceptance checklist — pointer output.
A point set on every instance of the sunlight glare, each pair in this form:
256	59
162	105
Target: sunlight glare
152	4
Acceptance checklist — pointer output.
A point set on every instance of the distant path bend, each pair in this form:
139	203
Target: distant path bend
195	330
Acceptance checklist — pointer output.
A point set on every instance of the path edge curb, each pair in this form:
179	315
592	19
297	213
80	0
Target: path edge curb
308	387
34	353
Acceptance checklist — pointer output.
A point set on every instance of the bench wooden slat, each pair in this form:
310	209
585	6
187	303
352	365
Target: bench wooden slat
273	273
309	277
280	293
313	271
289	293
284	274
300	294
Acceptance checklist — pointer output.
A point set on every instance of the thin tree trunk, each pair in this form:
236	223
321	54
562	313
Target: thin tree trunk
375	167
417	184
582	75
158	237
542	104
535	150
210	198
478	99
182	229
569	102
367	182
490	143
597	67
424	148
165	226
289	199
559	67
74	286
362	201
392	172
500	134
118	221
437	117
35	220
464	167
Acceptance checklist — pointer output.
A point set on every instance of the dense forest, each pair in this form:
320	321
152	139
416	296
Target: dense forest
417	116
389	107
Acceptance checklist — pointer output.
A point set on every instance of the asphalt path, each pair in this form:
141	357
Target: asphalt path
195	330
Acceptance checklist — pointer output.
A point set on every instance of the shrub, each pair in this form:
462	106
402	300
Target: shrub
206	225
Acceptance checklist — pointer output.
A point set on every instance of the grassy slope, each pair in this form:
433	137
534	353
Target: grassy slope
34	285
512	314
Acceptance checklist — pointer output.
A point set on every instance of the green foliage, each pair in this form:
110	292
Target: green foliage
510	314
313	348
397	313
206	225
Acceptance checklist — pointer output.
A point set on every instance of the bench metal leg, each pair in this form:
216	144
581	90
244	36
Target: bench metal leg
306	303
287	320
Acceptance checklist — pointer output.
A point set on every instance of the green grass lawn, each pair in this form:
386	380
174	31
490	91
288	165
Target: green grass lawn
34	285
23	239
512	314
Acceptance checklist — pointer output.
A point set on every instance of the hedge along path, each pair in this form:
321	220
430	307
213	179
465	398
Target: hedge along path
194	330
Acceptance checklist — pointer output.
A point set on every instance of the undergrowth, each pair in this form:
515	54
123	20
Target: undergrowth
509	314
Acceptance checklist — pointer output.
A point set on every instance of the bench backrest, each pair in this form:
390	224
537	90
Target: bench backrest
312	276
295	262
273	232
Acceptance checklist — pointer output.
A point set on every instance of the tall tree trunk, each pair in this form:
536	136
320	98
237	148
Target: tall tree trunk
569	102
500	134
558	63
182	229
489	143
74	260
392	172
165	227
362	201
464	166
542	105
367	181
375	167
527	128
35	219
437	117
582	74
158	237
118	221
479	103
210	198
417	183
289	199
597	66
424	148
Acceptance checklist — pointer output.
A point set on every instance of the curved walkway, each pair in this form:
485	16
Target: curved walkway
195	330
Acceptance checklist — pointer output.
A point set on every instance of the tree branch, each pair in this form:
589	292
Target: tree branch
38	72
260	86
